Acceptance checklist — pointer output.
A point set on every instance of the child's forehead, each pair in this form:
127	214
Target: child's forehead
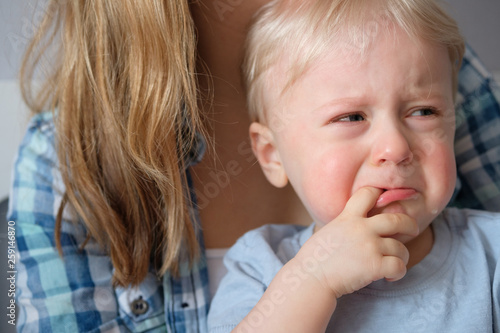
288	70
351	84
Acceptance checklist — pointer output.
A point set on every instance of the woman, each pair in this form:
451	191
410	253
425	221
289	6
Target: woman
108	231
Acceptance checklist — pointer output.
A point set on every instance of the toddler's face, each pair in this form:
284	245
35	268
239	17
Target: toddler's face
384	120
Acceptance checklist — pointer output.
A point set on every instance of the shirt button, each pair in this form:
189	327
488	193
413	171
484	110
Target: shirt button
139	306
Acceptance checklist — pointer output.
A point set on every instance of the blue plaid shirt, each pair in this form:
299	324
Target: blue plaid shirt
74	293
477	137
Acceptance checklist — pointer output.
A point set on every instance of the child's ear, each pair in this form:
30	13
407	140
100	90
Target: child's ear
267	154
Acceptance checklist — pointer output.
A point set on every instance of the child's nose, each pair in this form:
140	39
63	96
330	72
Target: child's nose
391	146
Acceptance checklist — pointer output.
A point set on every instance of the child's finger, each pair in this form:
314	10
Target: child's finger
394	248
392	268
362	201
391	224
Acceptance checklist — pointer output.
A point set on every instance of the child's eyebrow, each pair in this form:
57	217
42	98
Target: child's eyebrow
419	94
425	94
426	88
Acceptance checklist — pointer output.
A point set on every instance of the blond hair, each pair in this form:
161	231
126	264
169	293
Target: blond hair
302	31
124	90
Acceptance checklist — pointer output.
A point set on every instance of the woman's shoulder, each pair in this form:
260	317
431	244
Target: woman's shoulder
37	153
472	73
39	138
477	138
36	184
43	123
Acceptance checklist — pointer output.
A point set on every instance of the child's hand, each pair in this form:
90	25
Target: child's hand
354	250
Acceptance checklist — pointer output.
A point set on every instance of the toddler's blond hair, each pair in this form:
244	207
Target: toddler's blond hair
302	31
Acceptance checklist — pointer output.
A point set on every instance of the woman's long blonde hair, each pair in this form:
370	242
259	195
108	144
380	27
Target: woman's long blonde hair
124	89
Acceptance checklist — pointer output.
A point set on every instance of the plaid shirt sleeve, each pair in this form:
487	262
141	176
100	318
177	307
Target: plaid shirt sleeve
477	138
74	293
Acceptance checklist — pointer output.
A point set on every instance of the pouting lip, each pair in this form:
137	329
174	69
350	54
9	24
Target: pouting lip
395	194
385	188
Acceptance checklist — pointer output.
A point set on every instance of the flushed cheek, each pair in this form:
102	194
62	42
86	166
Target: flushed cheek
327	187
442	175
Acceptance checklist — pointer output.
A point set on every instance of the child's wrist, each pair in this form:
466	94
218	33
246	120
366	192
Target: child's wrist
306	269
302	283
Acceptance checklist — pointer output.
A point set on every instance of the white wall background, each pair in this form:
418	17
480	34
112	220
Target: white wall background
479	21
15	30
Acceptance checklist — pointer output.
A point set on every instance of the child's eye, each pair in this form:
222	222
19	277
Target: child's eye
350	118
424	112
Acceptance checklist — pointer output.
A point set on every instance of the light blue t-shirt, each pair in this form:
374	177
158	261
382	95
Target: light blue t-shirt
455	288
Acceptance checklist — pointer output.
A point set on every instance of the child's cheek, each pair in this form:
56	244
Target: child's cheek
441	177
449	175
328	188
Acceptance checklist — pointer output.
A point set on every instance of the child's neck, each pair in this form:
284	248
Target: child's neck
420	246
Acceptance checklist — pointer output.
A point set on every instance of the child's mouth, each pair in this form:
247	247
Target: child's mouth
396	194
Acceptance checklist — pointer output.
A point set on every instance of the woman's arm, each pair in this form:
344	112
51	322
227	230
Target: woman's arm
243	194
